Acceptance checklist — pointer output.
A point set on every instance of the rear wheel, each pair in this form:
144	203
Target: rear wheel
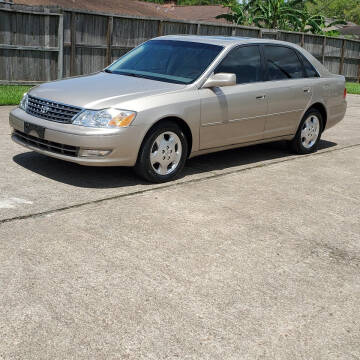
163	153
308	135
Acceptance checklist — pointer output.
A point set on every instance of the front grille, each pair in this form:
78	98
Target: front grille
51	110
45	144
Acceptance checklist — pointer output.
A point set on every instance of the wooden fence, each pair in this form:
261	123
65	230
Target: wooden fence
42	44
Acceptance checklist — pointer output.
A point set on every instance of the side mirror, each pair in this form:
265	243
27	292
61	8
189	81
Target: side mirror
220	79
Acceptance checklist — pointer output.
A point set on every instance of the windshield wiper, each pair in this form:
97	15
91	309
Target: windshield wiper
149	77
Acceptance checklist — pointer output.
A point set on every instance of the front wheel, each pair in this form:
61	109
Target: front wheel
163	153
308	135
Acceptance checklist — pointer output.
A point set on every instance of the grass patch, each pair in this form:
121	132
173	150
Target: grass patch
12	94
353	88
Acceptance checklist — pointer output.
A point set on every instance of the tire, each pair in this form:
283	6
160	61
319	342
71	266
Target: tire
309	132
163	153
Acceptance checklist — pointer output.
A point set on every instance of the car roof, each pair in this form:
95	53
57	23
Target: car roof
220	40
230	41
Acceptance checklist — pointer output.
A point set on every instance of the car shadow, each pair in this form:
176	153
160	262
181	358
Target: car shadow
112	177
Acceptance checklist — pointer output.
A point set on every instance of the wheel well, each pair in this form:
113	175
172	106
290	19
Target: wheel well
183	126
321	108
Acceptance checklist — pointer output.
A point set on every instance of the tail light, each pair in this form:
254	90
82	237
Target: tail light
345	93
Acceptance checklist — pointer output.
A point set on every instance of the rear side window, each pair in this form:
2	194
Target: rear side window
309	69
282	63
244	62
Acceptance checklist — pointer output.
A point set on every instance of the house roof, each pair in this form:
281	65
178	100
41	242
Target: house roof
137	8
350	30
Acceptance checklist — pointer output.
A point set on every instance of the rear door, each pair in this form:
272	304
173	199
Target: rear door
235	114
289	90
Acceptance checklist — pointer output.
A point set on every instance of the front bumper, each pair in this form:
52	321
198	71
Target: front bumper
124	143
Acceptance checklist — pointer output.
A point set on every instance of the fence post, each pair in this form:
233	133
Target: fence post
72	43
47	44
323	50
233	32
302	41
342	57
198	29
60	46
260	34
160	28
109	39
359	72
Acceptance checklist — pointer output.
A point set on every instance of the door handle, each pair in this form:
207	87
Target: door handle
307	90
261	97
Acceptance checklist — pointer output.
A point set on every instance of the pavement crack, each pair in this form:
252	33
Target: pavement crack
212	175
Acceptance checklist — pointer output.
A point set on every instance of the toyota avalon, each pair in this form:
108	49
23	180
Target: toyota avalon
176	97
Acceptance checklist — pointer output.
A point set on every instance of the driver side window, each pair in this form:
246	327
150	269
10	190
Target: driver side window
244	62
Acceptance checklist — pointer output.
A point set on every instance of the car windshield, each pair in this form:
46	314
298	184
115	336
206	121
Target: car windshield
180	62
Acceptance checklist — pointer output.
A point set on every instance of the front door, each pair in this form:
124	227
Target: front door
235	114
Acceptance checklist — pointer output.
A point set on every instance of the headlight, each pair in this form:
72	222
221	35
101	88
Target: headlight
24	102
107	118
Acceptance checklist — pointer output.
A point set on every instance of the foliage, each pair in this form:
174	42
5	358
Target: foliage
348	10
12	94
292	15
239	14
315	24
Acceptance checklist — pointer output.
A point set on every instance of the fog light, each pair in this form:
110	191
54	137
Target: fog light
93	153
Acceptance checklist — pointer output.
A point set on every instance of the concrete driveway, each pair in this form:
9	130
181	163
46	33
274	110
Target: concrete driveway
253	254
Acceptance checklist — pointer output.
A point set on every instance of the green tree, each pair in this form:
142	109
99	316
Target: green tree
293	15
238	14
348	10
273	14
277	14
315	23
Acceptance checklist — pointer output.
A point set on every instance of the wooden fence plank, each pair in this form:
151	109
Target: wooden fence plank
109	39
160	27
72	43
47	44
342	57
29	11
26	47
61	46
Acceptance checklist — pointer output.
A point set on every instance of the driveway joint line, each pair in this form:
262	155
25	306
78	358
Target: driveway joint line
213	175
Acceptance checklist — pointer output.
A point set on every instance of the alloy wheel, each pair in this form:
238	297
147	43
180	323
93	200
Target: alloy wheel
310	131
165	154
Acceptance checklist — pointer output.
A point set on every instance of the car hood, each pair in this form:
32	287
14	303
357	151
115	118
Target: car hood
101	90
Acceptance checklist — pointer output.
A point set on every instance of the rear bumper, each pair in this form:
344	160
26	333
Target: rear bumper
123	143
